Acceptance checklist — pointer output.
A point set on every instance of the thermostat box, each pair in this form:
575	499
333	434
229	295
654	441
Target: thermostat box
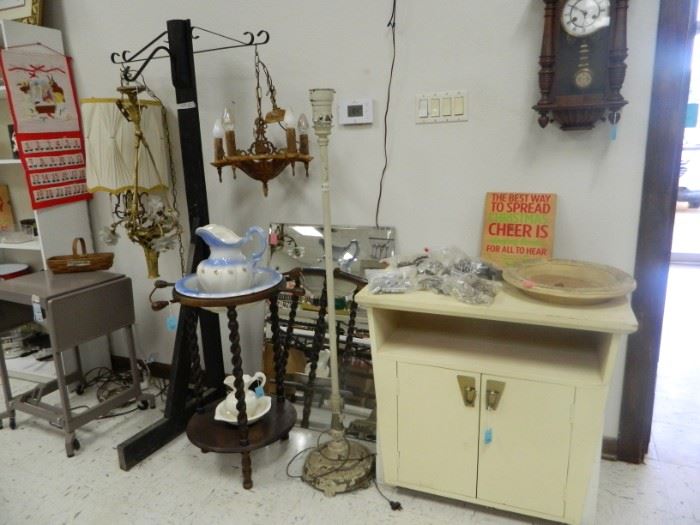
355	111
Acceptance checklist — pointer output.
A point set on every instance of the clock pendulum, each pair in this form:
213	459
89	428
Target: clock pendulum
583	76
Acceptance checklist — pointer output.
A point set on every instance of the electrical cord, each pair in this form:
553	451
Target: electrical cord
116	414
162	386
395	505
110	383
291	461
106	416
392	25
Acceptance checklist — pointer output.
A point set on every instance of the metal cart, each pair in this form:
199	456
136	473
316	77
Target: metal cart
74	308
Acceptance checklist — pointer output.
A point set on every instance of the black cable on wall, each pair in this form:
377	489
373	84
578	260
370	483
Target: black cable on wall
392	25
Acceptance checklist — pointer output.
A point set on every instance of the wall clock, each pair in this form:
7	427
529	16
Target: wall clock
582	62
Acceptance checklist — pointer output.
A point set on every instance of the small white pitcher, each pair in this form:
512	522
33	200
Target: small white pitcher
252	401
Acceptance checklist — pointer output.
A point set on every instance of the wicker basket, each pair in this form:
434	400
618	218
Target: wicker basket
80	262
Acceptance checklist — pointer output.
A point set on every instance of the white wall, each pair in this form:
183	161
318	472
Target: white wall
438	174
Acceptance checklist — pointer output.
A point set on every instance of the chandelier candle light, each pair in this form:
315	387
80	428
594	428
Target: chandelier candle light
262	161
303	128
289	124
338	465
218	133
229	133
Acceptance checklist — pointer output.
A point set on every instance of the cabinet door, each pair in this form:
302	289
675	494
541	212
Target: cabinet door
437	429
524	443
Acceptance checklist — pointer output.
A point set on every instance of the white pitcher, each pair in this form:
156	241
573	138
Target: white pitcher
228	270
252	401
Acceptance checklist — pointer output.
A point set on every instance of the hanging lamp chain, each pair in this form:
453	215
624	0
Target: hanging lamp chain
271	90
171	169
258	89
261	145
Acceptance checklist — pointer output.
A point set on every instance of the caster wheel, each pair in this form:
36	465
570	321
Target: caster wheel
75	445
13	423
143	404
80	389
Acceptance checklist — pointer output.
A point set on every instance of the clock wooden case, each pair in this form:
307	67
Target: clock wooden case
582	62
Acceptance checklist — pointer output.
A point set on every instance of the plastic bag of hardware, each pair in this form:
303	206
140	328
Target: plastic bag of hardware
474	266
391	280
452	261
470	288
449	256
450	271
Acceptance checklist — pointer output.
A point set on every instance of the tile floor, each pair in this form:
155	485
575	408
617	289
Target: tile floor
179	485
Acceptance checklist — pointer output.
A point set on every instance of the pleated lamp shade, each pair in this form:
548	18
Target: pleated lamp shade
110	147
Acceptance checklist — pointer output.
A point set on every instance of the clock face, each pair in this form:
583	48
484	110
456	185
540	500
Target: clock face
583	17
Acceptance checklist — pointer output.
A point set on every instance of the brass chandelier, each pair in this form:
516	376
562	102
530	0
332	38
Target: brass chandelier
128	158
262	161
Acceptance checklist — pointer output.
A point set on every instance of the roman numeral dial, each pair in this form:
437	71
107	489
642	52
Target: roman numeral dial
581	18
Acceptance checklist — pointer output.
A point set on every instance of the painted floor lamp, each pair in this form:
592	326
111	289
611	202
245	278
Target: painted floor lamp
338	465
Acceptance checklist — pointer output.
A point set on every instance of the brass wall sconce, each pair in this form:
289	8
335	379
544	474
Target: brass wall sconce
262	161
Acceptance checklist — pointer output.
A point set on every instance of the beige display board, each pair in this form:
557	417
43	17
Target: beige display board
518	227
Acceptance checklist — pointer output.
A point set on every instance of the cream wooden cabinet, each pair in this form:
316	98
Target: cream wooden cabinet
499	405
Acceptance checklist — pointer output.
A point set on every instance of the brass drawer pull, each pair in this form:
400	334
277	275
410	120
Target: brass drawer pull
467	386
494	391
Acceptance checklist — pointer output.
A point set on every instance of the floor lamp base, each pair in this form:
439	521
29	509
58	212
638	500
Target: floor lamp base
339	466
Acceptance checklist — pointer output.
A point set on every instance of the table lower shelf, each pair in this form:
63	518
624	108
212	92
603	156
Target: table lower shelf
218	436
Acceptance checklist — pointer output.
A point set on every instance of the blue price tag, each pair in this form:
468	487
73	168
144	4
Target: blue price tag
36	309
171	323
613	132
488	436
259	392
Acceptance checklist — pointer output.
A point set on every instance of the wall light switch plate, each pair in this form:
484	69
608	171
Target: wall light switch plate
441	106
446	107
423	108
355	111
434	107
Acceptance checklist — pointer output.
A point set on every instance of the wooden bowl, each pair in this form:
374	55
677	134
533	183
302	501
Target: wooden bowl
569	282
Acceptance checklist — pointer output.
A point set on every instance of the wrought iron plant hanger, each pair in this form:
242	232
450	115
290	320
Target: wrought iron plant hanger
126	57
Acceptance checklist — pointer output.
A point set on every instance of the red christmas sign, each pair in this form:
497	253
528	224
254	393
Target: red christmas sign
46	116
